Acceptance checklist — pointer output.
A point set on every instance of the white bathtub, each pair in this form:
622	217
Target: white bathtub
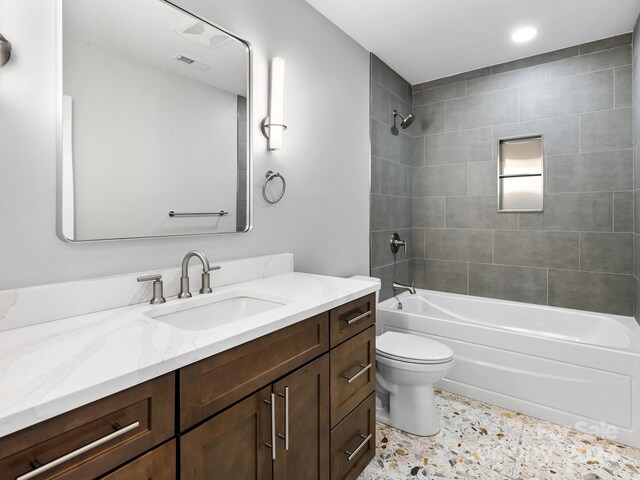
569	367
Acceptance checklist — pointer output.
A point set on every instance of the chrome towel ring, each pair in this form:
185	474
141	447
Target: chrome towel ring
268	177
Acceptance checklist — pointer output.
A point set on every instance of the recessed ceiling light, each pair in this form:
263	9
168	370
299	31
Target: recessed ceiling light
524	34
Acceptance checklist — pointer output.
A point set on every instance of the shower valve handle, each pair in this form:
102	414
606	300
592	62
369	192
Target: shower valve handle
396	243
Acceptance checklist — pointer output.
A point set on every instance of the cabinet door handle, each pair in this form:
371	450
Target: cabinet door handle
358	318
285	437
360	447
272	445
355	377
58	461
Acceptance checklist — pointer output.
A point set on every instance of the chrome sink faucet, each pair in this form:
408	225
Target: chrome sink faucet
184	279
402	286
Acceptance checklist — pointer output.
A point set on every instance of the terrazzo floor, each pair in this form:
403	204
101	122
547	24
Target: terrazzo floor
481	441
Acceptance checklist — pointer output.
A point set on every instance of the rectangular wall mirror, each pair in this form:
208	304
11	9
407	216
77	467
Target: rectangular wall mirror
520	174
154	108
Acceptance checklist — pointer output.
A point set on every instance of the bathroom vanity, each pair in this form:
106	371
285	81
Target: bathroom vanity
295	401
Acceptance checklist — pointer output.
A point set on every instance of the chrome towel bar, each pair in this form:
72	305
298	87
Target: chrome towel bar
221	213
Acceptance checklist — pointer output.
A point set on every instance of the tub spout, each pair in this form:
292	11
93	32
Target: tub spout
402	286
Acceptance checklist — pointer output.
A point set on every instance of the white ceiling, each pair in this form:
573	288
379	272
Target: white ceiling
427	39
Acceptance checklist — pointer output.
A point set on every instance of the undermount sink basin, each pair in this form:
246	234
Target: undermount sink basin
203	314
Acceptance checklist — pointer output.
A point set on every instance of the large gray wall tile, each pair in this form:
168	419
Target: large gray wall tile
590	63
637	314
605	43
561	135
382	74
440	275
383	143
375	174
429	119
520	284
460	77
440	180
417	152
458	244
381	254
483	110
536	249
417	246
398	272
439	94
383	103
482	178
590	172
405	148
636	212
474	145
596	292
623	82
428	212
606	252
478	212
389	212
608	130
397	179
623	212
502	81
535	60
591	212
567	96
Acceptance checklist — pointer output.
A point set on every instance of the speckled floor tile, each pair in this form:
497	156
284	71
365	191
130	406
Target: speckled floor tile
481	441
551	451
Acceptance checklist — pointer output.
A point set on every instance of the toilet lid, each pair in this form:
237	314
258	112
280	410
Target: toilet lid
412	348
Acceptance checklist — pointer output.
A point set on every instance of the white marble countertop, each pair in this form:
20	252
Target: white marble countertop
53	367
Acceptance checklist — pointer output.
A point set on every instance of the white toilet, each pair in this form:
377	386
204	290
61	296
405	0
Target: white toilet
407	367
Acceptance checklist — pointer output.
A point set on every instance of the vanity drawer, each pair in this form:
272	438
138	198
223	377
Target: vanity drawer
353	441
352	318
208	386
353	373
92	440
158	464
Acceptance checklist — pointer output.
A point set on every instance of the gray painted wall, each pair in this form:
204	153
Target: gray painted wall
391	176
324	217
579	253
636	144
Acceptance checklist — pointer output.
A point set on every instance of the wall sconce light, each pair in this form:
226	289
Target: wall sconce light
273	125
5	50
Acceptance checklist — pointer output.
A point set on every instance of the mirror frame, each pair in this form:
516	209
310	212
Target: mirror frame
60	182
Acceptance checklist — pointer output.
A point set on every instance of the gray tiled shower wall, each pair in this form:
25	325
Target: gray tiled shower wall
578	253
391	175
636	145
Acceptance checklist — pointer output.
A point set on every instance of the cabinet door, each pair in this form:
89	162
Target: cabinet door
232	445
303	427
158	464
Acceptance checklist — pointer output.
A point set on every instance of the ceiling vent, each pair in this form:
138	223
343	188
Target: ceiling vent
203	67
202	33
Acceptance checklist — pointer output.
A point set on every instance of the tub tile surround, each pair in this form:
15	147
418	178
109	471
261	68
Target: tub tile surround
44	303
579	253
481	441
393	153
635	102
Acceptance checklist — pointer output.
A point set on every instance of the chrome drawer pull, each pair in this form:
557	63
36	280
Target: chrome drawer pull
360	447
285	437
355	377
272	445
359	317
78	452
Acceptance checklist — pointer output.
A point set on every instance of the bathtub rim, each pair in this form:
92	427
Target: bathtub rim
629	324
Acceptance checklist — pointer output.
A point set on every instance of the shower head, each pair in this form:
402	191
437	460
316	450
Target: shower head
406	121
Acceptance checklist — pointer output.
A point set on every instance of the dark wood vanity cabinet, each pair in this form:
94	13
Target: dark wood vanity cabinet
295	404
280	432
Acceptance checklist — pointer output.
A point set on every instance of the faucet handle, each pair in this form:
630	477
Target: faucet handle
158	296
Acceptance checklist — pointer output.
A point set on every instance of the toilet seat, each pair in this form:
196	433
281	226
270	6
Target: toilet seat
404	347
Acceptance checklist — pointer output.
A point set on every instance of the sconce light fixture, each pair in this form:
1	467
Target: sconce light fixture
5	50
273	125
